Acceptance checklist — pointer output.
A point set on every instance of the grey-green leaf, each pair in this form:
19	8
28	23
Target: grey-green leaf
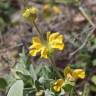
93	79
33	73
16	89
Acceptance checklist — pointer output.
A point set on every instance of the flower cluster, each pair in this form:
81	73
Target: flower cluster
54	41
70	75
30	13
48	8
75	74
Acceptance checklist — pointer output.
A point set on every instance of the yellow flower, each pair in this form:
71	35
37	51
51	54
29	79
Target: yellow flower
46	7
30	13
56	10
44	52
38	47
54	41
68	73
74	74
35	47
58	85
79	73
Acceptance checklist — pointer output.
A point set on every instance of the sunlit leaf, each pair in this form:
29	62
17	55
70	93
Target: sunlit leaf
93	79
16	89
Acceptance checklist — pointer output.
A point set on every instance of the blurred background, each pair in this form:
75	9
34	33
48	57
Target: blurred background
75	19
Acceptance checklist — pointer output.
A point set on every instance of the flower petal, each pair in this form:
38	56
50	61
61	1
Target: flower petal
56	10
44	52
58	46
56	41
67	70
79	73
30	13
33	52
58	85
36	40
56	88
34	49
53	36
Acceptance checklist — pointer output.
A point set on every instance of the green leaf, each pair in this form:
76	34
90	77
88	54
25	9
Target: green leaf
93	79
20	68
3	84
28	80
69	85
16	89
10	80
29	92
86	90
93	88
94	62
84	57
33	73
45	72
23	58
23	64
80	64
74	2
49	93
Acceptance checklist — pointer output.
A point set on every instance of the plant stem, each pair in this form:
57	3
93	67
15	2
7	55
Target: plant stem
38	31
73	92
34	23
54	67
86	90
86	16
82	46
